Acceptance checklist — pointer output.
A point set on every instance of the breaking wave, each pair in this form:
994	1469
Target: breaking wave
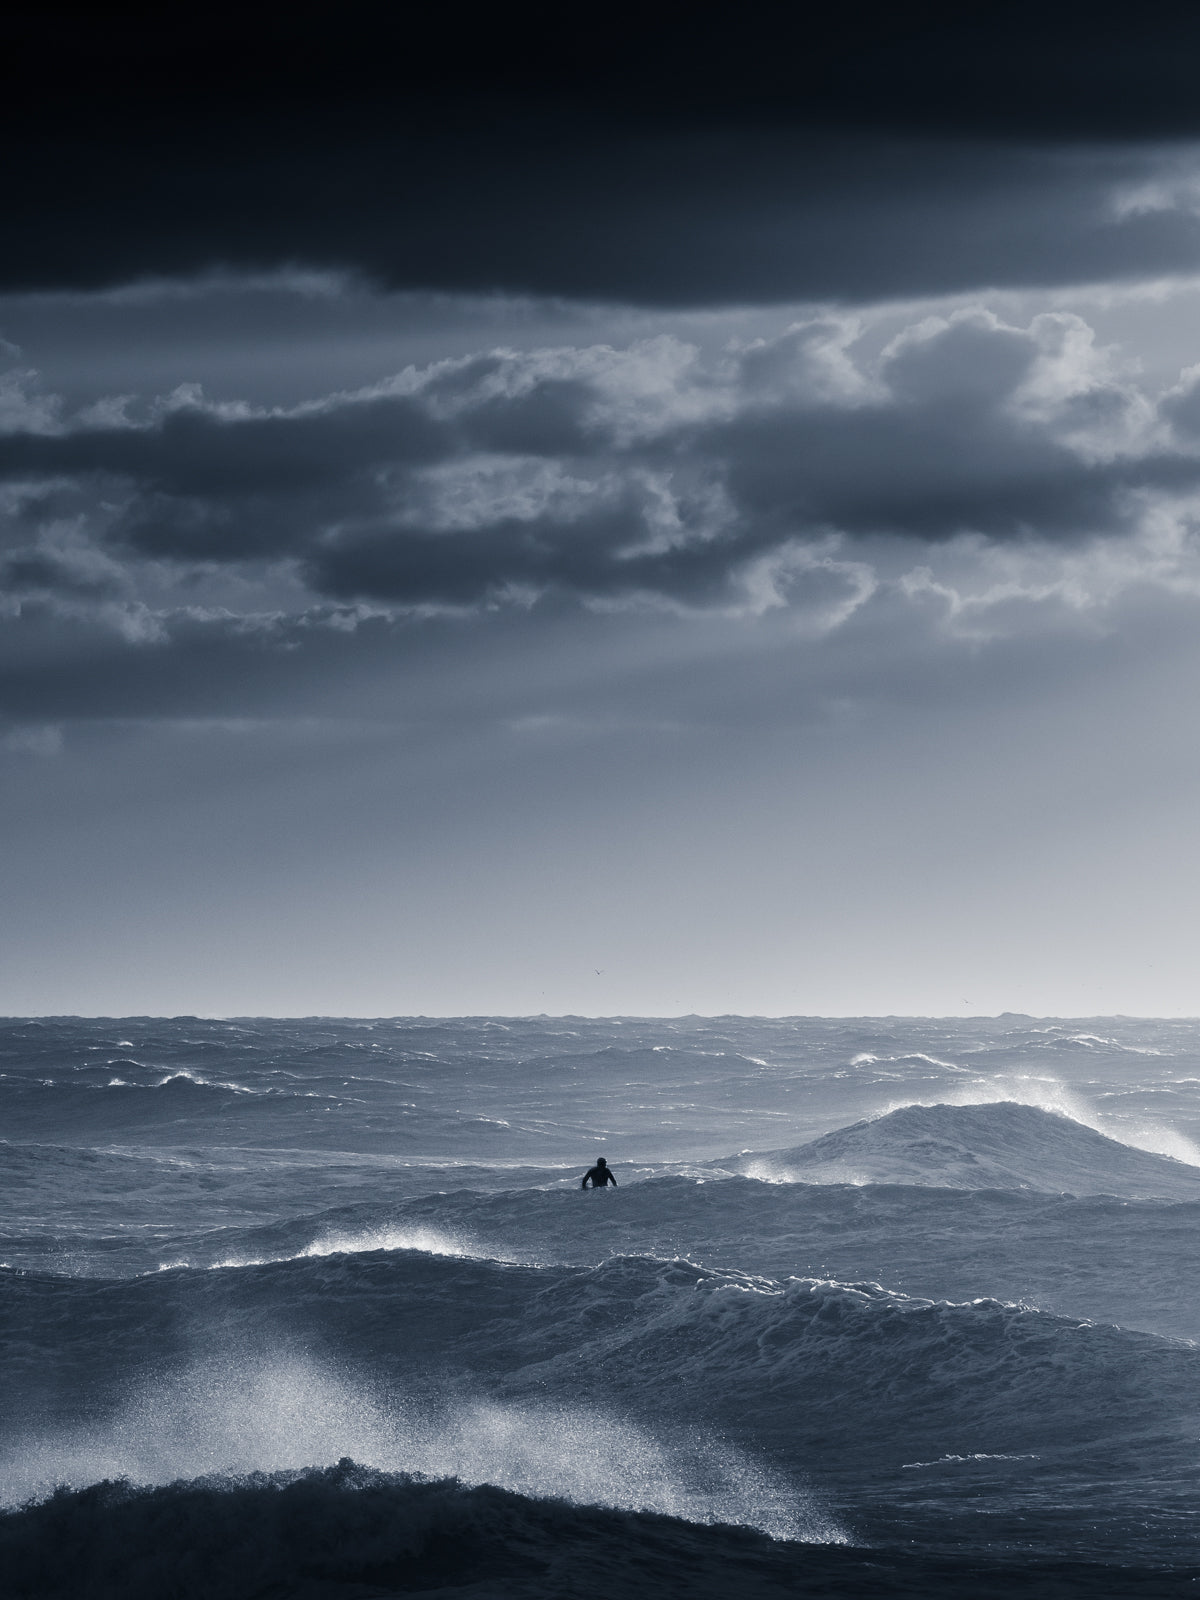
1051	1094
978	1144
236	1418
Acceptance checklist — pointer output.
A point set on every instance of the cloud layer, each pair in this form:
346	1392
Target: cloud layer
970	473
657	158
471	494
604	472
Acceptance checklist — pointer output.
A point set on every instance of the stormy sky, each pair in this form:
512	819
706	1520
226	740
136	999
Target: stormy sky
634	515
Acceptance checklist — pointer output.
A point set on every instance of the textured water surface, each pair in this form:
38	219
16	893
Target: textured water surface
879	1306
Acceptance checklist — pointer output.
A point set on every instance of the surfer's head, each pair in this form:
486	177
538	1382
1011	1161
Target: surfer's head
600	1161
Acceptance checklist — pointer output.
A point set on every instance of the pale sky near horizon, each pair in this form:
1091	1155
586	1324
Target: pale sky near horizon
778	597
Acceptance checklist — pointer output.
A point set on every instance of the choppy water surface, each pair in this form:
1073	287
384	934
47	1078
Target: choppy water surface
890	1303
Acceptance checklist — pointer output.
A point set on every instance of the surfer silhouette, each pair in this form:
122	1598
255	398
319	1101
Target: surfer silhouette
598	1176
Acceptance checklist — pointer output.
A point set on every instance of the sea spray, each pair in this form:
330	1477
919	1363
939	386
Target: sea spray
241	1418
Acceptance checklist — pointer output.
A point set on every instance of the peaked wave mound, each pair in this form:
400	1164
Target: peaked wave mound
1002	1145
347	1531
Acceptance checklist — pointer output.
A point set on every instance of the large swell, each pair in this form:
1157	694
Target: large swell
917	1300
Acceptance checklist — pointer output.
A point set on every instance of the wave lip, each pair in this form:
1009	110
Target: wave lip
997	1145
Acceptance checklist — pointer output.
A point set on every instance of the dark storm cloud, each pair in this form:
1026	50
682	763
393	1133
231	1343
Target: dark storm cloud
36	571
215	486
57	662
889	474
647	156
1181	408
684	216
607	474
417	565
548	421
197	450
945	453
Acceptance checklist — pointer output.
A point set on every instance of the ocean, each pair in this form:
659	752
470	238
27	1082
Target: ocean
879	1307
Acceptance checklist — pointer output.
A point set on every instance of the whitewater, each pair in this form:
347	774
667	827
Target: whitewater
879	1307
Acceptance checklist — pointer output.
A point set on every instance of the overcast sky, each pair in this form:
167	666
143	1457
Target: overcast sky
671	521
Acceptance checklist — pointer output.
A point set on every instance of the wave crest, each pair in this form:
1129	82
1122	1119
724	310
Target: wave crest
977	1145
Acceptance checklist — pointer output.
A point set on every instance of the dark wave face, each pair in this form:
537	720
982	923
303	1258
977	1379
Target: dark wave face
934	1325
347	1531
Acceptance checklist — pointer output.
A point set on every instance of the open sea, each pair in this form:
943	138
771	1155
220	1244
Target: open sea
318	1309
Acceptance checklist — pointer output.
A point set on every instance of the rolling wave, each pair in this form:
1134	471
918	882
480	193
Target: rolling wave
822	1370
347	1530
990	1145
252	1249
1102	1258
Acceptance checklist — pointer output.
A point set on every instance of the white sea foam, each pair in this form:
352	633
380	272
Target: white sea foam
183	1076
767	1169
290	1413
432	1241
391	1236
